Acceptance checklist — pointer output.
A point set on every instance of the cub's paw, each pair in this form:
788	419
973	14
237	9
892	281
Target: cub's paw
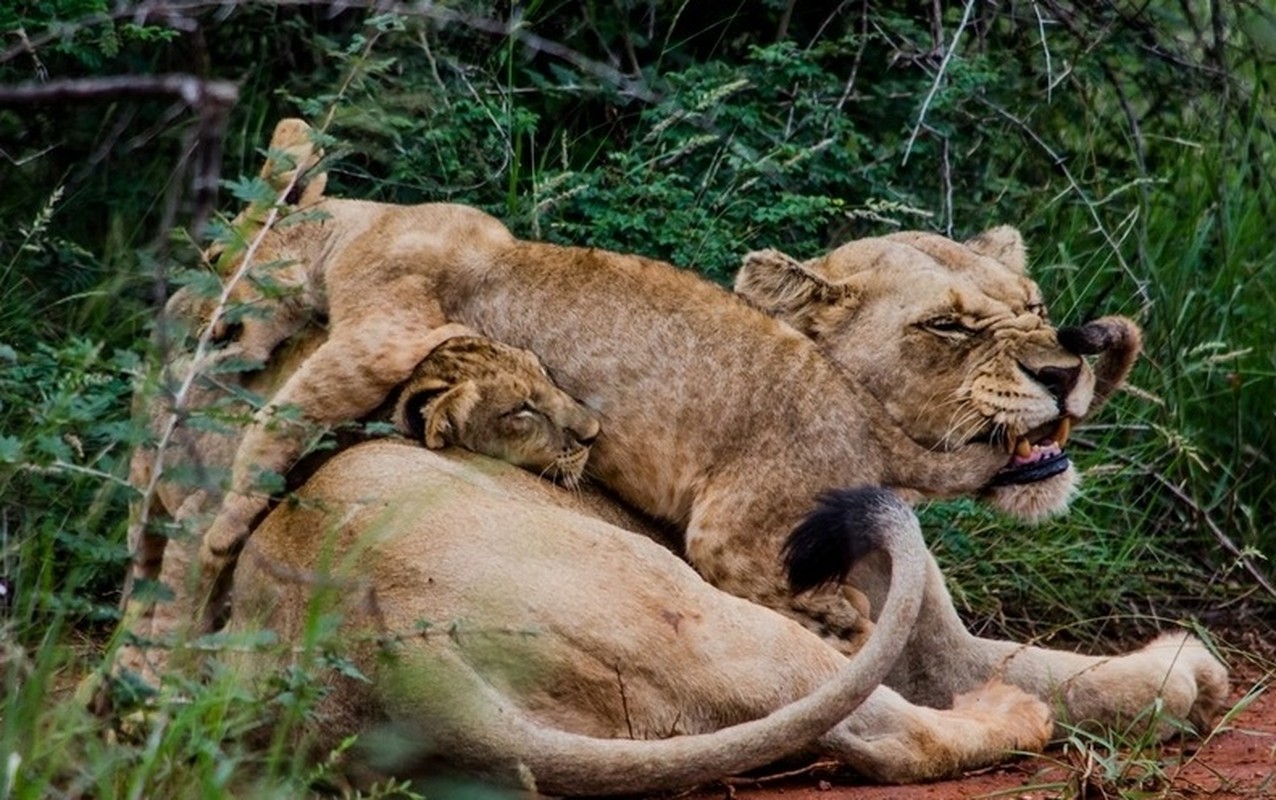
1019	720
217	550
229	530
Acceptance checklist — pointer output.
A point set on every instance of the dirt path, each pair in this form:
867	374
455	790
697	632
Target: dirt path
1238	763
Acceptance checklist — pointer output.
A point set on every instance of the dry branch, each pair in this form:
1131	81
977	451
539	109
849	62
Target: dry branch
194	91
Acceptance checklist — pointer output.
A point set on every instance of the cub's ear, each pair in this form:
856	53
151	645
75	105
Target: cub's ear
1004	244
293	159
432	411
409	409
444	417
786	288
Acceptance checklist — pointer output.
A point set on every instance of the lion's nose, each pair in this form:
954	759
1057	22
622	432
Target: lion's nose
1059	381
1085	340
586	432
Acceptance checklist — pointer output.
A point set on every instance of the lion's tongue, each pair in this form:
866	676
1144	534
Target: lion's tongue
1026	453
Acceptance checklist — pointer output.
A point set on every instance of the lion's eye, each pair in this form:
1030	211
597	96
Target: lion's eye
523	411
947	326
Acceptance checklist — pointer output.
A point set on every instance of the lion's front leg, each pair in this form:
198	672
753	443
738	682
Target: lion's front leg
346	378
891	740
943	658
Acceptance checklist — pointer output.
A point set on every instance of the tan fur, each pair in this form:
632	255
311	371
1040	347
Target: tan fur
494	399
682	374
971	355
918	360
550	632
511	411
416	536
871	305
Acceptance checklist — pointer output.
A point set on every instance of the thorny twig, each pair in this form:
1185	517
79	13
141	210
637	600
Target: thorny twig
855	66
174	13
1140	285
193	90
211	100
939	78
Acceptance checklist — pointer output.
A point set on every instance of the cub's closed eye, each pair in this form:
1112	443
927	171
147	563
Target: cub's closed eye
949	326
524	411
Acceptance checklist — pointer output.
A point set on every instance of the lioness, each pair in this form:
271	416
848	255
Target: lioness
918	363
504	633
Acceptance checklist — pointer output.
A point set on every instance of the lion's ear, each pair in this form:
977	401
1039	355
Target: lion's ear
786	288
408	417
293	161
444	418
1004	244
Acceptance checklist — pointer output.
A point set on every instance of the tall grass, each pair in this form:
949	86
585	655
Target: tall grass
1174	518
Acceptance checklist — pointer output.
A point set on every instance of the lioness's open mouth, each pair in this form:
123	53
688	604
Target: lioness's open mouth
1036	456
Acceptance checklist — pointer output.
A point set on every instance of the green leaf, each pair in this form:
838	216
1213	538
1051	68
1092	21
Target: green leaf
251	190
10	449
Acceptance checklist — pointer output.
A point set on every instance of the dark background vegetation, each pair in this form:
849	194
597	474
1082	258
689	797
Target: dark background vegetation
1131	142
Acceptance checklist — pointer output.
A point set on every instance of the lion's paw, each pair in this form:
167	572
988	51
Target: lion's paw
1025	722
1174	675
1196	685
228	532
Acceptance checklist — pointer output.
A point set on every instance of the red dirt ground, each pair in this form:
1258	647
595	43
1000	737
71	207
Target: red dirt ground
1238	762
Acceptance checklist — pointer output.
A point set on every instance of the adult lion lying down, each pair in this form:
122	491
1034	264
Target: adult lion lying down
555	640
909	361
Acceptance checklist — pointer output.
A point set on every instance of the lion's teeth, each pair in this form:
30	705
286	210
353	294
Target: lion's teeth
1023	448
1061	433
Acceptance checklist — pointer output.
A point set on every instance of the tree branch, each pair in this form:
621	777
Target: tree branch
195	92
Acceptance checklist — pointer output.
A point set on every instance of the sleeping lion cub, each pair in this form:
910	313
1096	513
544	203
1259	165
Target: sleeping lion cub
496	400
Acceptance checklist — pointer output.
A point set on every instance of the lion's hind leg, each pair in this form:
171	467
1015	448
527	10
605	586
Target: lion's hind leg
1175	675
1171	680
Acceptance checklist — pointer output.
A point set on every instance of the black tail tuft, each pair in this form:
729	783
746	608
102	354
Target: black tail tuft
845	525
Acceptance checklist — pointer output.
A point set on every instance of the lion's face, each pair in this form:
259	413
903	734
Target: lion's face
497	400
955	341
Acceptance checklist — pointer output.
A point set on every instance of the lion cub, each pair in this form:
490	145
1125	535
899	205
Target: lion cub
485	396
468	391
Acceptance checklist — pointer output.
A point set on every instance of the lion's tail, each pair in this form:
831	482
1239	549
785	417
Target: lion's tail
1117	341
295	172
565	763
294	163
845	526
